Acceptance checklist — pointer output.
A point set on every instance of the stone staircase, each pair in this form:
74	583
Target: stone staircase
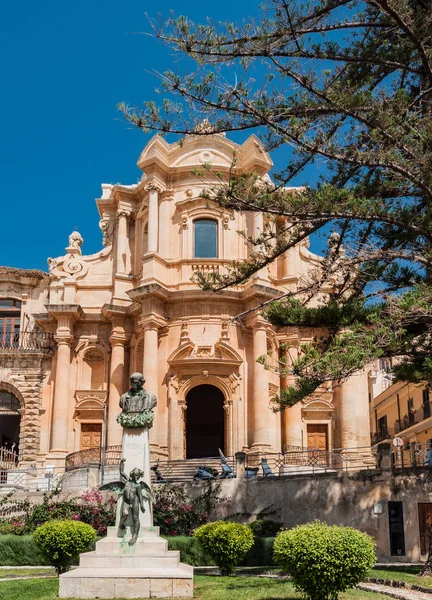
185	470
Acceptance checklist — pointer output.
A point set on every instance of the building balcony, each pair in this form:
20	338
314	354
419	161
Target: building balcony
84	458
27	342
413	418
381	436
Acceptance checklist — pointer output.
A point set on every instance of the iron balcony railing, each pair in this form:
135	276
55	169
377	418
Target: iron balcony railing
380	436
412	418
92	456
27	341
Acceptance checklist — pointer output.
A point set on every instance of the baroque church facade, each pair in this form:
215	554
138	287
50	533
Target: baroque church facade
70	338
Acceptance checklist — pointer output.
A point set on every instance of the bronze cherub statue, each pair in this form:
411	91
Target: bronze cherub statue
134	493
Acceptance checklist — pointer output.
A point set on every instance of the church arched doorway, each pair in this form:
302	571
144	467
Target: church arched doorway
204	421
10	421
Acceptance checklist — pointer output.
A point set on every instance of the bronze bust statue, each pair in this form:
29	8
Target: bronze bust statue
137	404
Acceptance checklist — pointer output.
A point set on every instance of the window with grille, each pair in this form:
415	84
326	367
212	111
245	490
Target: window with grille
10	311
385	364
382	427
8	402
426	404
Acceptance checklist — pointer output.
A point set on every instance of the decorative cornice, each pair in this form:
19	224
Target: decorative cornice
14	272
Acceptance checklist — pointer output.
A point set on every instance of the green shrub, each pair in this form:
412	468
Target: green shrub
261	553
17	551
324	560
226	543
62	541
191	551
11	528
265	528
22	550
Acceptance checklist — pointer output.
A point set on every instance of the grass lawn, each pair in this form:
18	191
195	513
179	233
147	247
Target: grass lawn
24	572
206	588
407	574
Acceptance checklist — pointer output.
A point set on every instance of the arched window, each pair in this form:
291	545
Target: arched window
8	402
205	238
10	311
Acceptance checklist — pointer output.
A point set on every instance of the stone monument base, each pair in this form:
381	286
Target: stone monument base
115	569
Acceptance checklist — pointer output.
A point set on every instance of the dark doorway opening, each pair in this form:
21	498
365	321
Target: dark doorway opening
204	421
396	526
10	421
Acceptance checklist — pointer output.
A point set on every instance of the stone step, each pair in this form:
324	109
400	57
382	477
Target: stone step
165	560
127	583
145	532
121	546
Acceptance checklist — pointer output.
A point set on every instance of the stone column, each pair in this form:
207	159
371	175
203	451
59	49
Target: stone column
122	241
288	263
292	418
258	229
153	220
150	371
117	381
258	224
60	415
354	411
261	411
176	430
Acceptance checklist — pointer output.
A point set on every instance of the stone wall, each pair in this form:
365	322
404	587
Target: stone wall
347	499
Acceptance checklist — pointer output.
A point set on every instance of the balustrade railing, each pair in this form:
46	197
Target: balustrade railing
29	340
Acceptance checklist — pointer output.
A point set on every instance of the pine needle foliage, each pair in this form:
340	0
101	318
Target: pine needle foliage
346	86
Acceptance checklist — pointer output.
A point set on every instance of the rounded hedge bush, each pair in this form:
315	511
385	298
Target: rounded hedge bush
226	543
265	527
62	541
324	560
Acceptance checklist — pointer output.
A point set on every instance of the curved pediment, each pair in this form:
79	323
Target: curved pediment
90	403
212	149
318	405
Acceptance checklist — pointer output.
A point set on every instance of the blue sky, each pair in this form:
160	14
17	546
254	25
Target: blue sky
64	67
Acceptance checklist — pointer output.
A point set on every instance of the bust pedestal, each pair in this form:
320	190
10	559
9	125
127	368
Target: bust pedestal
136	451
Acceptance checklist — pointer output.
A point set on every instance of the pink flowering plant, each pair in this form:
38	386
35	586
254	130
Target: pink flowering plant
88	508
177	514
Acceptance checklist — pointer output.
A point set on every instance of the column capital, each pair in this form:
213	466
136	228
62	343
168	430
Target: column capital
118	339
152	322
152	186
64	338
256	322
123	212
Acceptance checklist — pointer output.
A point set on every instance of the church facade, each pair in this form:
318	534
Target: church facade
70	338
